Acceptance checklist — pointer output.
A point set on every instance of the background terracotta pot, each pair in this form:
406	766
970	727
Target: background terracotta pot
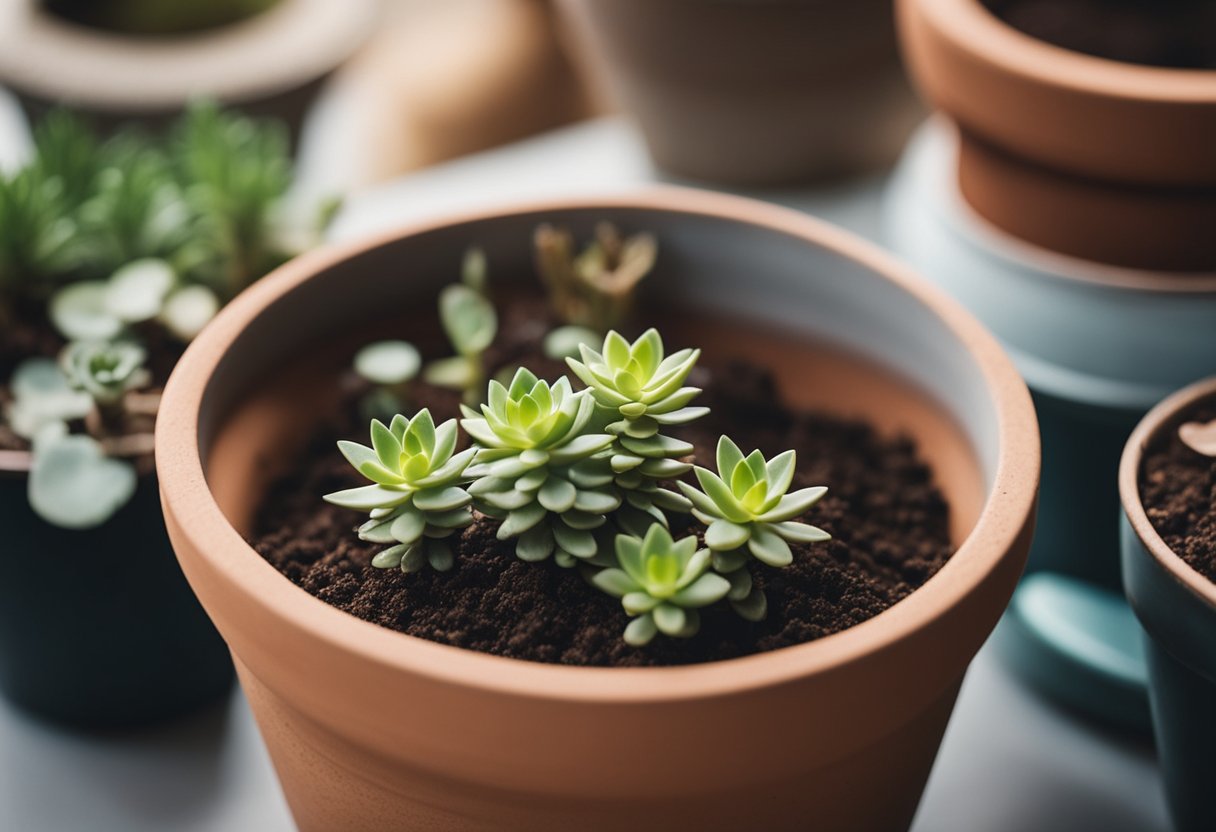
1102	160
98	628
370	729
272	64
754	93
1177	608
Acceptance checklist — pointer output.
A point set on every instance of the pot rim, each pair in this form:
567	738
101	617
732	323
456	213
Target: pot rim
1142	437
285	46
986	39
1005	516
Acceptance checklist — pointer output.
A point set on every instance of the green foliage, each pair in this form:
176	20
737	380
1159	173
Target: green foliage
748	511
642	391
235	172
105	370
42	396
540	470
470	322
662	582
594	288
417	498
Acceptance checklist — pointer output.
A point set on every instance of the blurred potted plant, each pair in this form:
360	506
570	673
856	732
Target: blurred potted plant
122	61
1167	480
1065	196
776	92
113	255
464	594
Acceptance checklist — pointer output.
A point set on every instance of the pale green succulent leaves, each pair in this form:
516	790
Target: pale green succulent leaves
471	323
105	370
538	470
747	510
662	582
417	498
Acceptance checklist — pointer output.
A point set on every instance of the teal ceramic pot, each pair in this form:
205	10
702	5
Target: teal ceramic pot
1098	346
1177	607
98	628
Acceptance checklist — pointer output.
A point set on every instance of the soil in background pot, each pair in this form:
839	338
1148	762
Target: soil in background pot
1178	489
1179	34
888	520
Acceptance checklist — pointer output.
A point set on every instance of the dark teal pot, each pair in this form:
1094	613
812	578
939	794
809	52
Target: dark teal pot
1177	609
98	628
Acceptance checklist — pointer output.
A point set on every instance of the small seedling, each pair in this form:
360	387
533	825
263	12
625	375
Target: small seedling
470	322
662	582
417	498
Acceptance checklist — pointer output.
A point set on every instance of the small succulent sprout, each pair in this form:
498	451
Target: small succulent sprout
595	288
470	322
539	470
390	366
187	310
662	582
475	270
417	497
748	511
105	370
42	396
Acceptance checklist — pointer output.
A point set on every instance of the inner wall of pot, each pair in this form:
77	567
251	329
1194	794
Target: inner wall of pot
839	337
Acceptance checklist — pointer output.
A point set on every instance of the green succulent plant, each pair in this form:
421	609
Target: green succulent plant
539	469
417	497
470	322
106	370
748	511
662	582
642	390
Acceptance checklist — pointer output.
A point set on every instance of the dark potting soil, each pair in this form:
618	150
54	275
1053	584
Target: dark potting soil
1178	489
888	520
1179	34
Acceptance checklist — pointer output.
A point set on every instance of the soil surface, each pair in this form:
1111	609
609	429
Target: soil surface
1179	34
1178	489
888	520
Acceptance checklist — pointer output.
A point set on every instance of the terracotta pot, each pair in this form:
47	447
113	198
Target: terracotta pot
272	64
370	729
1177	607
1102	160
754	93
98	628
1098	346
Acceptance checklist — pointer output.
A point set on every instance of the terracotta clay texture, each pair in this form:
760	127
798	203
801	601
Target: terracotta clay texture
1093	158
770	93
371	729
1176	605
271	65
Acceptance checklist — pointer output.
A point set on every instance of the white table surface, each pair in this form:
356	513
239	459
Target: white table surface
1009	763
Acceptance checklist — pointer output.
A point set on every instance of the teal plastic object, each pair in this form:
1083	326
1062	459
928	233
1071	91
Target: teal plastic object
1081	645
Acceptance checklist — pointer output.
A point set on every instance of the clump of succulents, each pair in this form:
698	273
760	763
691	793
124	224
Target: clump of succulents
540	469
109	240
662	582
417	497
750	514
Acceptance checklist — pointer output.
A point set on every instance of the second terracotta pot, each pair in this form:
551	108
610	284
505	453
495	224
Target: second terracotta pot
1102	160
764	93
370	729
